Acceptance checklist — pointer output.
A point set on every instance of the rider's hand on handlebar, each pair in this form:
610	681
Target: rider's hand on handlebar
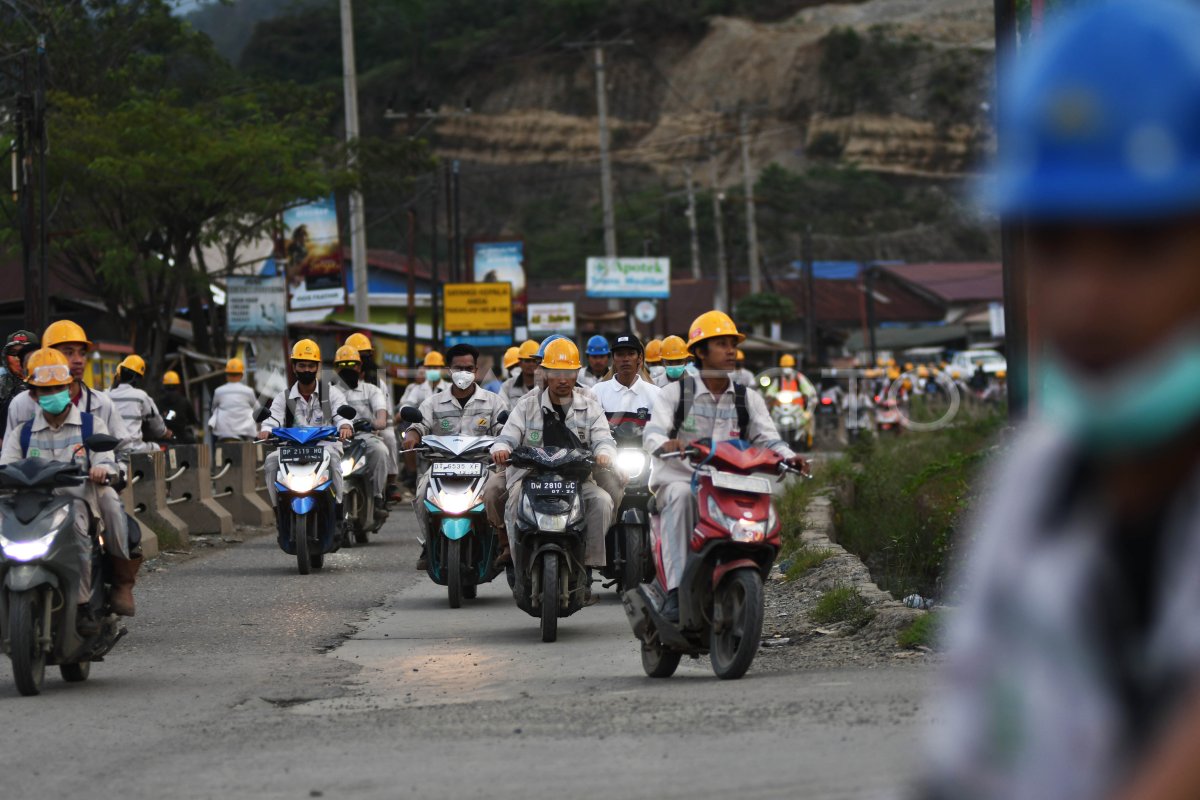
263	435
98	475
604	460
500	458
799	462
671	446
345	432
411	439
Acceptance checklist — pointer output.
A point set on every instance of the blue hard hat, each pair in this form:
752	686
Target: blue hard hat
1101	118
598	346
542	347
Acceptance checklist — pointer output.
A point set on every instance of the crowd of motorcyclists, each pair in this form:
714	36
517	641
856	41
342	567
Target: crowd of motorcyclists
341	452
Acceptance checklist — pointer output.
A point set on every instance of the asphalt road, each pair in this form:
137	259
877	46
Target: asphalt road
237	679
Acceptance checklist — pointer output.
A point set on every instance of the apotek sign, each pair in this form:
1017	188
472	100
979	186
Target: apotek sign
629	277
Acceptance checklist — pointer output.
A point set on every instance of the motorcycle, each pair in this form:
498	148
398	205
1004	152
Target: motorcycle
550	576
793	418
306	513
358	501
887	416
40	573
462	552
627	543
730	554
828	413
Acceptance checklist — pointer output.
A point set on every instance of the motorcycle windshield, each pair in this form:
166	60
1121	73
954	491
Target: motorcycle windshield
305	435
551	458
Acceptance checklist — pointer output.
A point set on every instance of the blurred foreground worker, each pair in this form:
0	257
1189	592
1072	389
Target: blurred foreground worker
1074	667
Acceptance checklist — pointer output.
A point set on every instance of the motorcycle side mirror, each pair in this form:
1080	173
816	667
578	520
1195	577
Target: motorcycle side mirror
502	417
411	415
101	443
263	414
347	412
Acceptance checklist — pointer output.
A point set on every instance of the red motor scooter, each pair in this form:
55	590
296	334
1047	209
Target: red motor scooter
730	554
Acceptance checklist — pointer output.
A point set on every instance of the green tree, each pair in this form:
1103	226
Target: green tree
764	307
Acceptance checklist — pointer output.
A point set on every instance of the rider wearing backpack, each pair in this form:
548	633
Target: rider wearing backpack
709	407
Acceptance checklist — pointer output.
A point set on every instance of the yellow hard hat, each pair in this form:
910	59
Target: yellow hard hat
359	342
346	354
674	349
48	367
170	378
922	371
135	363
64	332
235	365
527	350
1001	374
955	374
893	373
561	354
710	325
787	360
434	359
740	355
306	350
654	351
908	366
511	356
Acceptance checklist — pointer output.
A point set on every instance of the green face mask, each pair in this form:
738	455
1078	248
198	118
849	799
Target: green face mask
675	373
1141	407
433	375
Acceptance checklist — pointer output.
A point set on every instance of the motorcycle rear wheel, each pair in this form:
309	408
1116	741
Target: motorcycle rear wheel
349	519
25	628
364	520
732	648
658	661
549	623
75	673
300	523
633	571
454	572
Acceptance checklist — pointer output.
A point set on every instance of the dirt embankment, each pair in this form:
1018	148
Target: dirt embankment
674	101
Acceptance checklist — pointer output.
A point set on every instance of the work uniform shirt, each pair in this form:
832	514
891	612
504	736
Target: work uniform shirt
58	444
24	408
583	415
744	376
616	398
514	389
444	415
233	407
305	413
417	393
366	398
710	417
139	414
587	378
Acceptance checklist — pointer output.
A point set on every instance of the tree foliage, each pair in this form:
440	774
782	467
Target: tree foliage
764	307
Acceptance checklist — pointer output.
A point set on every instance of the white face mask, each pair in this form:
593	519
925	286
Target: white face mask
514	372
657	371
462	379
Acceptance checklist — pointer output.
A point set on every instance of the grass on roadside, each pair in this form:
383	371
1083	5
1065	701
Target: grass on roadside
925	631
842	604
803	558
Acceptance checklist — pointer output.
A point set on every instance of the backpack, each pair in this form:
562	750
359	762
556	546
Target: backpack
687	391
27	431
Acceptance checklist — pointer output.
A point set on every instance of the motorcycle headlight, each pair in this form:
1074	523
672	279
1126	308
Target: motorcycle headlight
741	530
554	523
34	548
300	483
455	503
347	466
785	398
631	462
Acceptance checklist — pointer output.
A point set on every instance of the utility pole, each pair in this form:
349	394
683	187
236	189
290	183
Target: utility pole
460	266
722	301
869	298
411	338
606	187
358	223
748	188
39	121
1016	298
810	313
692	226
435	285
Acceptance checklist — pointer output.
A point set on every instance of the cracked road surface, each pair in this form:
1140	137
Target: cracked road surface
237	680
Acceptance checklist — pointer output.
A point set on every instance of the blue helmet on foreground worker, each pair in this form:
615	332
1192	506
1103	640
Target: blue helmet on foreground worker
1100	126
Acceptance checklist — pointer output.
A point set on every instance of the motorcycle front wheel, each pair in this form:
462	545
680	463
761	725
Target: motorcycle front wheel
454	572
633	571
549	597
733	644
25	629
75	673
349	517
658	661
300	525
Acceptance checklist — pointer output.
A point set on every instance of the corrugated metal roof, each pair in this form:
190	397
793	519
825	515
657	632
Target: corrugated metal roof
953	282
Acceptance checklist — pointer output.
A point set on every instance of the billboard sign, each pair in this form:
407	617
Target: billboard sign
501	262
629	277
312	255
477	313
255	305
552	318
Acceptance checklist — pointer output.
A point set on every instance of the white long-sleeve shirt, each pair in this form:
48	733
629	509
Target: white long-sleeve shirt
233	407
306	413
617	398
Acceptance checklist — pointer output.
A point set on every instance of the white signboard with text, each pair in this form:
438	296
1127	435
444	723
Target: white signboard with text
629	277
552	318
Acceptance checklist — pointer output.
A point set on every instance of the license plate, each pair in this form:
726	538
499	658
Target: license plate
459	469
300	455
565	488
741	483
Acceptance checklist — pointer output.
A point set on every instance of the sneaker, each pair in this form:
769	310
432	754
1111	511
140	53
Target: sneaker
85	622
423	561
670	607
